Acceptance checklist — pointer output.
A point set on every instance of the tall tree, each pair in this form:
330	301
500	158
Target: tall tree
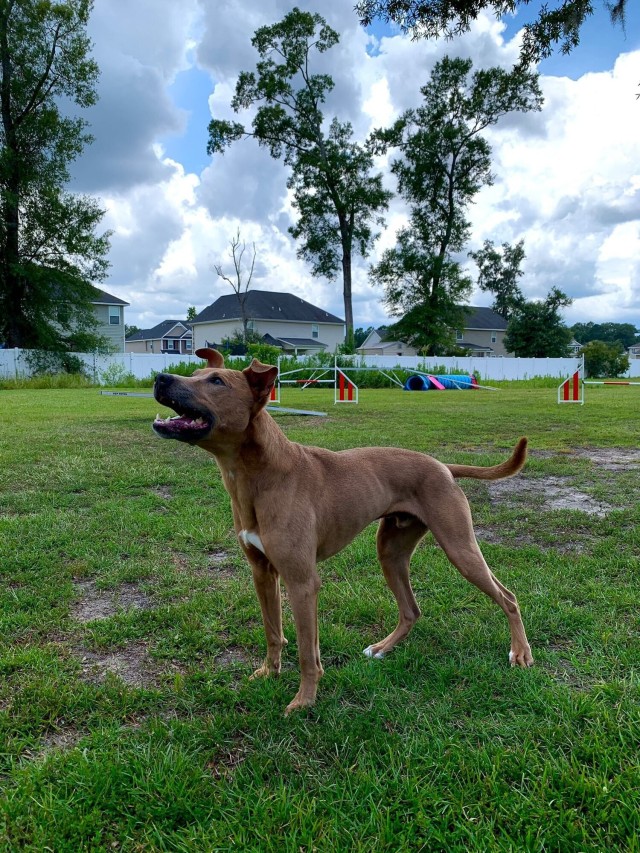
240	279
339	199
499	273
444	161
556	23
536	329
49	250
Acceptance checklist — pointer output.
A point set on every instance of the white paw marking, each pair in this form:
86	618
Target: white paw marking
248	537
369	653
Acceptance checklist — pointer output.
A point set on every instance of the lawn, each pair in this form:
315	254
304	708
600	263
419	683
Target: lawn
129	627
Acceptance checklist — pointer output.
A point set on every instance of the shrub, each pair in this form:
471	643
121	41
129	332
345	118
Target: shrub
49	362
603	359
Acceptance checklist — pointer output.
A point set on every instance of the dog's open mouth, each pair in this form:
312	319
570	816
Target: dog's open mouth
185	426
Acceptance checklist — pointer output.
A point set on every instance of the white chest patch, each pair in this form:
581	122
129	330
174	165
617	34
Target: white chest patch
248	537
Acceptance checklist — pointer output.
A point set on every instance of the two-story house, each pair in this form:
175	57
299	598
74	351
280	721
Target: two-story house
281	319
109	311
169	336
482	335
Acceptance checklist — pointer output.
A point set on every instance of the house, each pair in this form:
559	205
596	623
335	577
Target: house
482	335
109	311
281	319
378	342
169	336
633	351
574	348
483	332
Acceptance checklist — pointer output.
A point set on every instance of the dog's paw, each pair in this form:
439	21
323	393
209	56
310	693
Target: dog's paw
370	653
523	659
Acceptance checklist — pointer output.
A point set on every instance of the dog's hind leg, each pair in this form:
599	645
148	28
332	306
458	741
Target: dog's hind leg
267	584
396	541
453	530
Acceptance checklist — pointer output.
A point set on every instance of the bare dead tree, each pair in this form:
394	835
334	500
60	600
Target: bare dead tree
240	279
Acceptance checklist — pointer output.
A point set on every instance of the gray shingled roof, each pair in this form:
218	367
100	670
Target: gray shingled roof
294	342
158	331
483	318
104	298
265	305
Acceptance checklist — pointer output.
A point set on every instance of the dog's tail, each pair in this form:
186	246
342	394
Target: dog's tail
496	472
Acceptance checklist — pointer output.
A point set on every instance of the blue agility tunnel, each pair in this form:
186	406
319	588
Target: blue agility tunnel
427	382
416	383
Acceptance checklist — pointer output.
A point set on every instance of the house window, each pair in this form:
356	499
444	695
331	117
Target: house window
494	337
187	345
459	335
251	326
170	344
315	330
114	315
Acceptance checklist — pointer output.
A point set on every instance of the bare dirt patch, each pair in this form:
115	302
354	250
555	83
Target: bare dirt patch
219	565
94	603
232	656
552	493
226	762
133	665
65	737
163	492
610	458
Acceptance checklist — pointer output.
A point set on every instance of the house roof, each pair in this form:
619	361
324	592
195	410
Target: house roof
483	318
308	343
104	298
160	331
265	305
474	347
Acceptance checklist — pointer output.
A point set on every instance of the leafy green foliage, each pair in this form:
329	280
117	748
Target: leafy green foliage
559	24
499	273
605	360
536	329
48	243
338	198
444	162
623	334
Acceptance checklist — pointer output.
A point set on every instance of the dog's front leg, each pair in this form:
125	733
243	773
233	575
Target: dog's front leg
267	584
303	596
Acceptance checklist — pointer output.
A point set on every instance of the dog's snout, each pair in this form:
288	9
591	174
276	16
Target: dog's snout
163	380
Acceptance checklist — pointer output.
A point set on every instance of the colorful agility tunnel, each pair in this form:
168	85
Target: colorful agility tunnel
428	382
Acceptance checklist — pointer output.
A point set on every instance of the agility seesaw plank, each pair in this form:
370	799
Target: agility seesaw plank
269	408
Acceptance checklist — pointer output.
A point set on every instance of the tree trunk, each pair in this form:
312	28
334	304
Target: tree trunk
345	234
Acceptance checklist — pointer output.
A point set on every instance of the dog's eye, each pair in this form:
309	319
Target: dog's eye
215	380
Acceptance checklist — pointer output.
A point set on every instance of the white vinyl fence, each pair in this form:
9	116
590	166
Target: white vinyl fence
107	369
487	368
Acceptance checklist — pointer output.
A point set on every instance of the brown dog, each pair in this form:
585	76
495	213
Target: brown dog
295	505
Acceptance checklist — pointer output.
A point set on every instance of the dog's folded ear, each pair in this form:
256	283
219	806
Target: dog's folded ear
260	378
211	356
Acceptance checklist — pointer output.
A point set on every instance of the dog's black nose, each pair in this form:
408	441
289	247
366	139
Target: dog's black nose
162	384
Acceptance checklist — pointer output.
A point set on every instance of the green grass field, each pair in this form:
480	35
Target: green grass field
129	627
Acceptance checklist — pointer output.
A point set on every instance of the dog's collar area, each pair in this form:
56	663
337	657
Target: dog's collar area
189	426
